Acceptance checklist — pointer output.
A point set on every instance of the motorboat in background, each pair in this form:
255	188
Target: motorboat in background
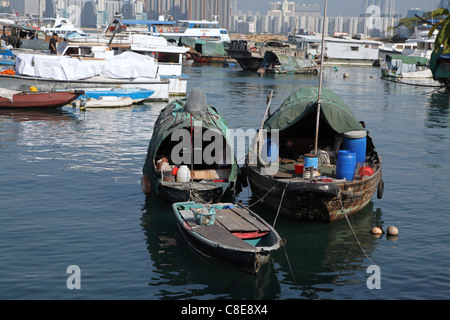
60	26
174	30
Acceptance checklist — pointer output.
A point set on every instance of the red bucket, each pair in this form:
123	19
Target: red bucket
298	168
365	171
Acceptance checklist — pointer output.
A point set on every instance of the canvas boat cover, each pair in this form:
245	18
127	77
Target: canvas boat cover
404	64
208	47
289	63
127	65
303	101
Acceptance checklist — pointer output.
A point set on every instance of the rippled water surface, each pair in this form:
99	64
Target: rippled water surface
70	195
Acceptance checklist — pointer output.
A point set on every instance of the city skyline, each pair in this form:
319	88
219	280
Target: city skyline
340	8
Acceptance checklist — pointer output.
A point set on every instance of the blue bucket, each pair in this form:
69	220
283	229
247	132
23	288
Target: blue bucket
311	160
356	141
269	152
346	165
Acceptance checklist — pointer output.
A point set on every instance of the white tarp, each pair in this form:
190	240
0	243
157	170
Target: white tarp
7	93
128	65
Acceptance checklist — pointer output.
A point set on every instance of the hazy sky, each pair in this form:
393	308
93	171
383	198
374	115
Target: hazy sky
339	7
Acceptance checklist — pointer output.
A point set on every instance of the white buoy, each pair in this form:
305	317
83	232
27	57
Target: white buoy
346	75
392	230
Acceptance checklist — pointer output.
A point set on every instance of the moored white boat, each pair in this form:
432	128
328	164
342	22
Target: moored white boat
128	70
182	28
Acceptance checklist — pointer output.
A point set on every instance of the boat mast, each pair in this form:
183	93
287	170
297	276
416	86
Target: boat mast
320	76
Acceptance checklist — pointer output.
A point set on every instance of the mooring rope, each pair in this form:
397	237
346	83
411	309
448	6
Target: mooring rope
413	84
353	231
279	206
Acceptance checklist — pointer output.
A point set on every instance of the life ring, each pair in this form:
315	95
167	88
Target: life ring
252	49
380	189
169	29
177	29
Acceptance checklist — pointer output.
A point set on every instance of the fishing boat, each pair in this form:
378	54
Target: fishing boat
249	57
182	162
279	63
228	232
35	99
297	181
401	66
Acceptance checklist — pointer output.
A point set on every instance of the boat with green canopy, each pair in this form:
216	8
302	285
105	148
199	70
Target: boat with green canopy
293	178
401	66
190	155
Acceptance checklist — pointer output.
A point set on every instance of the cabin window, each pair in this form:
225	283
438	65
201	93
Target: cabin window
168	57
223	32
354	48
214	26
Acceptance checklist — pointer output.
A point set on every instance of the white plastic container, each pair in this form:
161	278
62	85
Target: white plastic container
183	174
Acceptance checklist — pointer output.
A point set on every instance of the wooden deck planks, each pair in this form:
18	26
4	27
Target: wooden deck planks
239	220
218	234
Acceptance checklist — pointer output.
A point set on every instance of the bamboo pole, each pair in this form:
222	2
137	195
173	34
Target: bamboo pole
320	77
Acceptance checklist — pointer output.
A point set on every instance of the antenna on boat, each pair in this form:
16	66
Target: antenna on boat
320	77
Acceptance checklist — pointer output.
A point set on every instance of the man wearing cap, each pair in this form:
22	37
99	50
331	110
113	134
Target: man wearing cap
52	44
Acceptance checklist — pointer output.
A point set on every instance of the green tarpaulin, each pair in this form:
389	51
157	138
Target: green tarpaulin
408	59
303	101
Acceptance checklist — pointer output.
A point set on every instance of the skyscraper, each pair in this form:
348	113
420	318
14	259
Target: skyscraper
384	8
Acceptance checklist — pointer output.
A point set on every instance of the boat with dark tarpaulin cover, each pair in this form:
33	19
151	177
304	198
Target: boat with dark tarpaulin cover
207	181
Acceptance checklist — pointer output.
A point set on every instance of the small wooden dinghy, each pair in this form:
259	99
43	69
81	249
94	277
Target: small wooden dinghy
228	232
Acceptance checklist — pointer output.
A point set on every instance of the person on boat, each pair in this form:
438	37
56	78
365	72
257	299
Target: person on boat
288	151
52	43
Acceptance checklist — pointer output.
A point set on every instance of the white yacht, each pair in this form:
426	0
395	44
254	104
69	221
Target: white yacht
424	45
182	28
60	26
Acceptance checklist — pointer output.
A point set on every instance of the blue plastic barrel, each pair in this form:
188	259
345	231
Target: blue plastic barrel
311	160
345	165
356	141
269	152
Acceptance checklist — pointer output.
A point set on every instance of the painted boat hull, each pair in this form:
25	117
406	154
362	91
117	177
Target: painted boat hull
136	95
308	201
40	99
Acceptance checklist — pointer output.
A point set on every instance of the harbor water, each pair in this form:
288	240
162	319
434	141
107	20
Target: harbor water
70	195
